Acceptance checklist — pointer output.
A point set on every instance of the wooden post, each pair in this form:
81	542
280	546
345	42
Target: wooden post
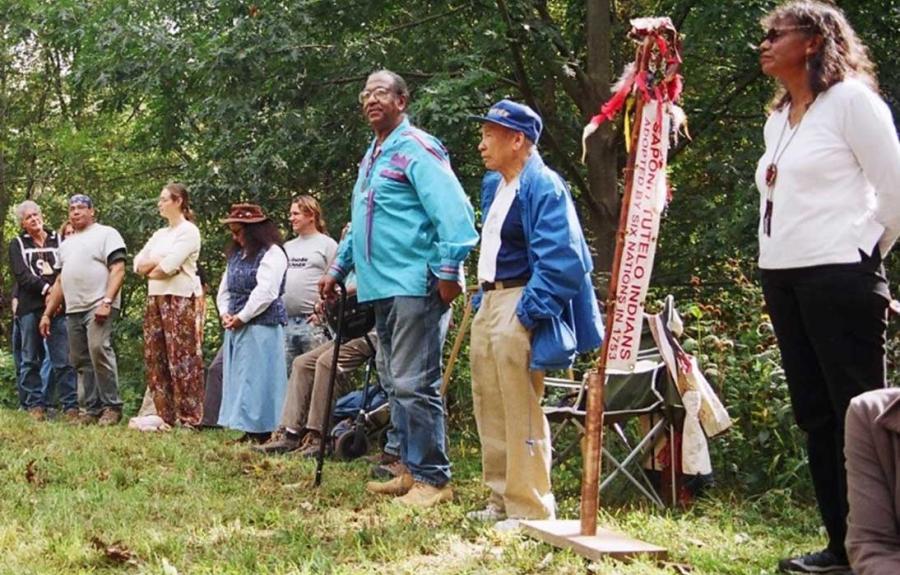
590	479
655	36
457	343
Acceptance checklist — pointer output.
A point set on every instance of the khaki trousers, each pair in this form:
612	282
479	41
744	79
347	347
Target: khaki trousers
307	392
515	435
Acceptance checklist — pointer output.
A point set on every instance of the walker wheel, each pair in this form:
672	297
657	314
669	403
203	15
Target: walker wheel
351	445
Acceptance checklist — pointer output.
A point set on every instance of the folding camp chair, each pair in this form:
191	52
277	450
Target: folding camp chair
647	392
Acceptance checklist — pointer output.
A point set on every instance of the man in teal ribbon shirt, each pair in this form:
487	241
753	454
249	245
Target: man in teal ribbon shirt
412	228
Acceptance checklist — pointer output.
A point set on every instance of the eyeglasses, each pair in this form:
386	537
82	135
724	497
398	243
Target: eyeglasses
773	34
380	94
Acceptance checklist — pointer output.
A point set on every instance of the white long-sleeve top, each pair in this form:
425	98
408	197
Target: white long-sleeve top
271	271
838	185
177	249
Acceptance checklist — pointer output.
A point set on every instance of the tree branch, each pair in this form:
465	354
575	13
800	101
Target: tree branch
141	173
425	20
529	95
681	16
579	87
709	119
404	73
55	58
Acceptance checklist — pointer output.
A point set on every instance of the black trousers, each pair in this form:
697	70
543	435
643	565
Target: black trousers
831	325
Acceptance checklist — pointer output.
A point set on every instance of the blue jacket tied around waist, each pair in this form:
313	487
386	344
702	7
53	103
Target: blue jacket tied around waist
558	304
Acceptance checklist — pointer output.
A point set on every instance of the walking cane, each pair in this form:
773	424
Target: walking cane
320	458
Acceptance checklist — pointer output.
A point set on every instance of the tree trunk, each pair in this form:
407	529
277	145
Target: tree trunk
601	158
4	197
5	301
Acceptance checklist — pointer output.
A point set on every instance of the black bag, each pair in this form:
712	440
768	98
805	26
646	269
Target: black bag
358	320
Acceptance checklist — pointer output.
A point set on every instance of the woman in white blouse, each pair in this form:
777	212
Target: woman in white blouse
830	211
172	353
253	315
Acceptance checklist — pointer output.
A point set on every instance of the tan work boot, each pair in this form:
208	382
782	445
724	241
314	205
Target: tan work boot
424	495
38	413
109	416
71	415
399	485
85	418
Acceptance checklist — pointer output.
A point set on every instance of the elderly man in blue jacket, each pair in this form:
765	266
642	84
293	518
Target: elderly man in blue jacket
412	229
537	311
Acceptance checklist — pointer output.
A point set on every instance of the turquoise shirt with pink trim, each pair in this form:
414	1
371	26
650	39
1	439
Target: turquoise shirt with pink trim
410	218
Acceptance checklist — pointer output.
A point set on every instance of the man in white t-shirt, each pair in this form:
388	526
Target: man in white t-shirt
309	255
92	262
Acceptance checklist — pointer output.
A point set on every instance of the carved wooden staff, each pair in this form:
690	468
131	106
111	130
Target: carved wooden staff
590	481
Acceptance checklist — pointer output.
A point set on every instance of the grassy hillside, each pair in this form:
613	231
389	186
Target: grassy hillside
91	500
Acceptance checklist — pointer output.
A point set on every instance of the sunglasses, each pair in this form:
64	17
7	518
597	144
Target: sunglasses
380	94
773	34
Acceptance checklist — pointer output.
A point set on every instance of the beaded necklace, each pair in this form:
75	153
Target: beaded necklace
772	168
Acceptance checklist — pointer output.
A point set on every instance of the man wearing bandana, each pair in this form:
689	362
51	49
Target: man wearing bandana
92	269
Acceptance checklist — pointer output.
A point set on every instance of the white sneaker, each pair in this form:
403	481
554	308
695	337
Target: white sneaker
508	525
490	513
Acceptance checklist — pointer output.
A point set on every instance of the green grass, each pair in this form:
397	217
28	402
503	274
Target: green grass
185	502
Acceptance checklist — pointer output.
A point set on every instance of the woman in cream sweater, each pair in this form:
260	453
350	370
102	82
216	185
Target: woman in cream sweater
171	339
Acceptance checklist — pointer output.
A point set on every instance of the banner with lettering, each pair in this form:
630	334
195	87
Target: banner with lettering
648	197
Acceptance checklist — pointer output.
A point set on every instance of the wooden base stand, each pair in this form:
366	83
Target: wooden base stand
606	543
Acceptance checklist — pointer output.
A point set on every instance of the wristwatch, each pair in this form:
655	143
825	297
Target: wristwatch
107	301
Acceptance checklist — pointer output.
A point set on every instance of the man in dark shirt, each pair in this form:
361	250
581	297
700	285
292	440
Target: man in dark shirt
33	256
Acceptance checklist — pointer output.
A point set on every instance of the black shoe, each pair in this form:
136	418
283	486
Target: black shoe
255	438
312	445
825	561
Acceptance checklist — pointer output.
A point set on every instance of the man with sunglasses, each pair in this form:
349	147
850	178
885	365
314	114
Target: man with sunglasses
412	228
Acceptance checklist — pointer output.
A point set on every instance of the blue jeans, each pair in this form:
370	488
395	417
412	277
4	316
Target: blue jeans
410	339
392	445
35	351
16	341
301	336
17	359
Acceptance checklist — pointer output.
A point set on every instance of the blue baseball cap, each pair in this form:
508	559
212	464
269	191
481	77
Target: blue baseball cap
514	116
81	199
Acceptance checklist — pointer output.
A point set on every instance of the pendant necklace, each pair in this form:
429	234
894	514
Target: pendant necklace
772	168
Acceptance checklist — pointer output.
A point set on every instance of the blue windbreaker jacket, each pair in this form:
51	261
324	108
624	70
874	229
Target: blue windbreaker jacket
558	304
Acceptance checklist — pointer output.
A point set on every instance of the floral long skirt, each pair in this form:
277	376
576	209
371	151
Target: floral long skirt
173	359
